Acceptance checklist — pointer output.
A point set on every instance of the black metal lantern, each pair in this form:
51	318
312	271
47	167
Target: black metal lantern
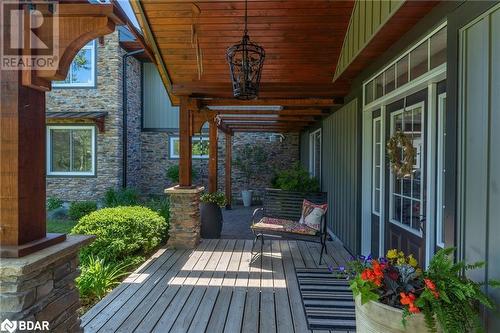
245	64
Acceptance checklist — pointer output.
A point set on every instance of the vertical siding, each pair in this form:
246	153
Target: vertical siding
340	174
480	232
158	111
366	19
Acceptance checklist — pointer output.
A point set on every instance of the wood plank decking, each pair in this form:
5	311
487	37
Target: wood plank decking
218	287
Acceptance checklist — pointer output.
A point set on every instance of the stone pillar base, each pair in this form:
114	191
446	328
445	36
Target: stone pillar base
40	287
185	224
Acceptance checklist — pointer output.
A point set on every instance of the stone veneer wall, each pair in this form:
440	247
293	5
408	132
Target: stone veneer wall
155	161
106	96
41	286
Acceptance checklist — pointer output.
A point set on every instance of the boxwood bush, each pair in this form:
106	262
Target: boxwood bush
121	232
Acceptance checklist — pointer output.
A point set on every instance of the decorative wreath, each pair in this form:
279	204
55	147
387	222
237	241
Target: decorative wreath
401	167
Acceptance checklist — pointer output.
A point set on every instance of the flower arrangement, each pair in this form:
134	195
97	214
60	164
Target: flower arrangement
217	198
442	293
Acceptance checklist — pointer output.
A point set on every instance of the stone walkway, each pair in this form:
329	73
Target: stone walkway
237	222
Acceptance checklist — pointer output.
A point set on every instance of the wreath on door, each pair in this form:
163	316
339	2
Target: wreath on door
402	167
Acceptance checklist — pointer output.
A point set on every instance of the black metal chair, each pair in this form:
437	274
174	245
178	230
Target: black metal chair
287	205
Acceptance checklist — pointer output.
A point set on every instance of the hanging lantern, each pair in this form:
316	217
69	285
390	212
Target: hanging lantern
245	65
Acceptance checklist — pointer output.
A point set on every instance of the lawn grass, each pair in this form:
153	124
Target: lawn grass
60	226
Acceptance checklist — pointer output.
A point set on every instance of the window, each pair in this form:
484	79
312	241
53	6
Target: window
315	154
441	169
199	143
377	165
71	150
82	70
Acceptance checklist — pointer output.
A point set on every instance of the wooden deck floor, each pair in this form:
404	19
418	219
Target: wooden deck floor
218	287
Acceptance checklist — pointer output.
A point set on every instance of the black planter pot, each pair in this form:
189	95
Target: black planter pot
211	220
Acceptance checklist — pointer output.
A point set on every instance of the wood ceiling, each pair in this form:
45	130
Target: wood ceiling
302	40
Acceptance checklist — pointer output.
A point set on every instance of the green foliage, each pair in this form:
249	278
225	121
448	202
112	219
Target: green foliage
79	209
200	147
121	232
296	179
98	277
456	308
364	289
217	198
251	161
60	226
160	205
173	173
54	203
121	197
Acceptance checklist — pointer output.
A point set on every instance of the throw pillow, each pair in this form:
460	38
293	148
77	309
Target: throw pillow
312	214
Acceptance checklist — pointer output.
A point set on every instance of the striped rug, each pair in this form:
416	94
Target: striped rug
327	300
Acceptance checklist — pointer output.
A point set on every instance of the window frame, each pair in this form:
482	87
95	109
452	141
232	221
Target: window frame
440	169
312	153
93	71
374	173
91	173
174	138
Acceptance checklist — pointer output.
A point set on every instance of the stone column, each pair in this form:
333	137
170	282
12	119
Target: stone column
40	287
185	224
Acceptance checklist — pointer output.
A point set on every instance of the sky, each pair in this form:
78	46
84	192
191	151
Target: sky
125	4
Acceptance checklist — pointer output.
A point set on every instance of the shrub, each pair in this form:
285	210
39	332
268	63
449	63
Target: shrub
54	203
217	198
121	232
160	205
296	179
121	197
98	277
173	173
78	209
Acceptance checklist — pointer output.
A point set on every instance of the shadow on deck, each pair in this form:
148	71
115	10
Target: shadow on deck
221	286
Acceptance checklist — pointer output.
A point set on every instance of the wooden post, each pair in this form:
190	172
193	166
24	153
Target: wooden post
185	144
22	168
212	157
227	176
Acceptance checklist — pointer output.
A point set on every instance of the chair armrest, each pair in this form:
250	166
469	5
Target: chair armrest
255	215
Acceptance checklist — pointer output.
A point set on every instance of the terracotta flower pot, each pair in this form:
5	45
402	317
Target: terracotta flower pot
374	317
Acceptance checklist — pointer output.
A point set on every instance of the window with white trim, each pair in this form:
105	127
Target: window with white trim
377	165
71	150
199	143
315	154
82	70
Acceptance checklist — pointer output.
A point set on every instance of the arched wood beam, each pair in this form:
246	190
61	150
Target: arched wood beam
79	23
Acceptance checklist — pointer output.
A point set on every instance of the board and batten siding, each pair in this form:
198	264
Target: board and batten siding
479	188
158	112
366	19
341	152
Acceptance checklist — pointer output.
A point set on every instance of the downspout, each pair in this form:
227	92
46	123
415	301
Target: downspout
124	113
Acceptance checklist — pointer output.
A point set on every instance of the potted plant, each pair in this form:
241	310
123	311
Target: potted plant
211	214
393	295
250	161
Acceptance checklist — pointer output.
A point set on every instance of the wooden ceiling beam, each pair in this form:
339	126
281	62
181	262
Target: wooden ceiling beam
298	102
264	119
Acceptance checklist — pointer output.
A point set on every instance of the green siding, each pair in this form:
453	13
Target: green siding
340	173
480	199
158	112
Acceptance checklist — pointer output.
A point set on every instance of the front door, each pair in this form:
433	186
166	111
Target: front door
405	201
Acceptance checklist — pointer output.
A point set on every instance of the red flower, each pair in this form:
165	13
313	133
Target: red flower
409	299
393	274
370	275
432	287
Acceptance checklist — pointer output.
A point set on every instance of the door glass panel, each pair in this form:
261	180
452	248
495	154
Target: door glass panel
402	71
407	191
369	92
438	48
390	79
379	86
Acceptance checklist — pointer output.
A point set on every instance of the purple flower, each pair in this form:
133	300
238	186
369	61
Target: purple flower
330	269
383	260
341	268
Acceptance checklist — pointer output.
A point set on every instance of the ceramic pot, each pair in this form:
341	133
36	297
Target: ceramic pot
246	195
211	220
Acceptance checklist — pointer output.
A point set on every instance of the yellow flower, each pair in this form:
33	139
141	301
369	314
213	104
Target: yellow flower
401	254
392	254
401	261
412	261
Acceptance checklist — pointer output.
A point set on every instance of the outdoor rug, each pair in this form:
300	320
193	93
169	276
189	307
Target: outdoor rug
327	300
